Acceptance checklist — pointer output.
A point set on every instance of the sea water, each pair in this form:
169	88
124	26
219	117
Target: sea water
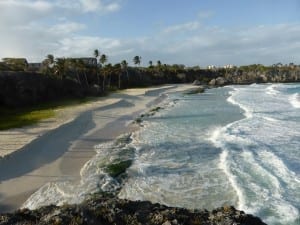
236	145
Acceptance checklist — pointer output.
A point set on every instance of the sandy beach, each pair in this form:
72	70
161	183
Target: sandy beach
57	148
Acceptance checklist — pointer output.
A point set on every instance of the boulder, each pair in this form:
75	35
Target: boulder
196	83
221	81
212	82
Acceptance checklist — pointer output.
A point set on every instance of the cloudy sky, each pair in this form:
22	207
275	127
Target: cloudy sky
191	32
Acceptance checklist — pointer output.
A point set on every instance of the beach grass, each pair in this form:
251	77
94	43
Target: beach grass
20	117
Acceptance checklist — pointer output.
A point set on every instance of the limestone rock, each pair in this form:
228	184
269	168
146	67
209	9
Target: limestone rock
111	210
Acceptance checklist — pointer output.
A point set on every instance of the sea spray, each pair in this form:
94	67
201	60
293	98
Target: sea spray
228	146
99	174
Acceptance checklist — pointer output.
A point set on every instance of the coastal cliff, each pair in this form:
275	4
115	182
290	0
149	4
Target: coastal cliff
19	89
111	210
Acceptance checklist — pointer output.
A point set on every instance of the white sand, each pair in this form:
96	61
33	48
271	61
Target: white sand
57	148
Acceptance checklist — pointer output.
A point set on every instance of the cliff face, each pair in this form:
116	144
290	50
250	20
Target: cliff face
105	211
278	75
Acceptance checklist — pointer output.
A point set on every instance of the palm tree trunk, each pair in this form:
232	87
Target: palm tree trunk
86	80
103	83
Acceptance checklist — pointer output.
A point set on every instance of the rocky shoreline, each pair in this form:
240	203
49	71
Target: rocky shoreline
111	210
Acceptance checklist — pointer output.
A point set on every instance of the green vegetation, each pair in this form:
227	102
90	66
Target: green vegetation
16	118
119	168
24	84
156	109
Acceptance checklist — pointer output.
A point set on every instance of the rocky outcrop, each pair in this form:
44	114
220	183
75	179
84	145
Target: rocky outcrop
111	210
270	74
274	75
219	81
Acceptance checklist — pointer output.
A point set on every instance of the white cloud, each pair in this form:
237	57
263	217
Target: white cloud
88	6
31	35
190	26
98	5
13	12
34	28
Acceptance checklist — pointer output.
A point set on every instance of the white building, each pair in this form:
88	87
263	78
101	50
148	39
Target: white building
229	66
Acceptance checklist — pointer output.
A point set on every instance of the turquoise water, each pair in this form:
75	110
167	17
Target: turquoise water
237	145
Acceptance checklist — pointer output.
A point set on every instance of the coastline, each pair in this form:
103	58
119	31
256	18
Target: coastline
56	149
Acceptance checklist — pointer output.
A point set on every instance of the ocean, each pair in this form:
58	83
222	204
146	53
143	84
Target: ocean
235	145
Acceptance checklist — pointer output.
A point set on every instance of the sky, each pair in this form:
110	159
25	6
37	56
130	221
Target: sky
190	32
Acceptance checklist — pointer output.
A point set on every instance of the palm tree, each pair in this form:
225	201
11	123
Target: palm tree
82	67
96	55
60	67
103	60
48	64
150	63
118	71
50	57
74	65
124	66
109	71
158	63
137	60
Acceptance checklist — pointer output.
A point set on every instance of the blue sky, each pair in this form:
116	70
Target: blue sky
191	32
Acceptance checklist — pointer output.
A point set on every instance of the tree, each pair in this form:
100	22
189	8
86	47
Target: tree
96	55
82	68
124	67
75	67
103	60
48	64
137	60
150	64
50	59
60	67
158	63
118	71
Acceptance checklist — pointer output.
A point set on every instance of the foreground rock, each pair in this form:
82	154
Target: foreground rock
111	210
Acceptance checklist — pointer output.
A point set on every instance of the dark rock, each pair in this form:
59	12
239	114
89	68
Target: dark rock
212	82
221	81
196	83
111	210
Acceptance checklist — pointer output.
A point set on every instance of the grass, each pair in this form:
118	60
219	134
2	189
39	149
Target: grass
20	117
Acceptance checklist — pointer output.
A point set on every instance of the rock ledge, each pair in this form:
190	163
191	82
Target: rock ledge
110	210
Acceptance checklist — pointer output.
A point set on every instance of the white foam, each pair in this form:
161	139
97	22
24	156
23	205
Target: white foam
225	167
231	99
295	100
271	90
277	167
270	119
214	134
94	178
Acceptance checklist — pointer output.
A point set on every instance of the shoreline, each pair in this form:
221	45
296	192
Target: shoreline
58	150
